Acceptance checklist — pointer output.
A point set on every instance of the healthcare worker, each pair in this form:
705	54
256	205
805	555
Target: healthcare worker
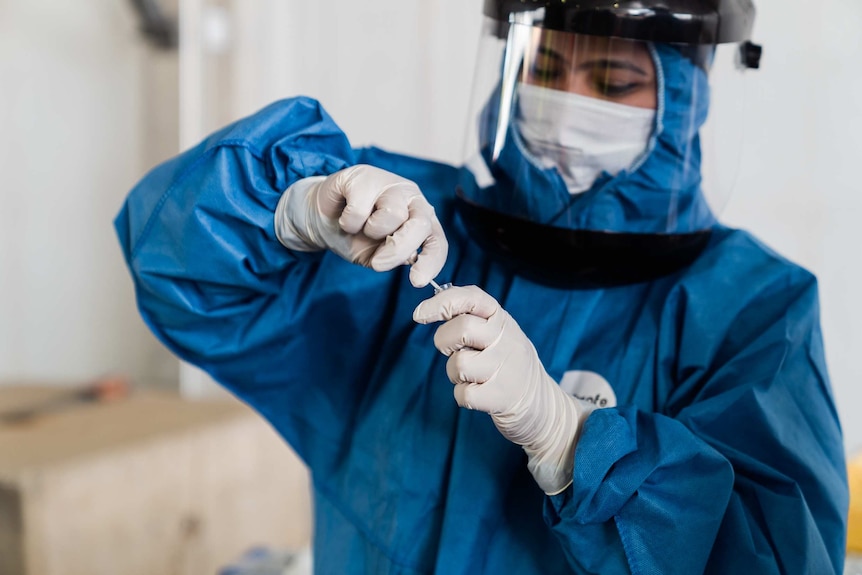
637	388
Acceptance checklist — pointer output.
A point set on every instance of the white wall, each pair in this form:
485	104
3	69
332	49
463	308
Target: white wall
391	73
78	126
798	187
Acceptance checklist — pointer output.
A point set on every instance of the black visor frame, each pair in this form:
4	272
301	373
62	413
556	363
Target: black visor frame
693	22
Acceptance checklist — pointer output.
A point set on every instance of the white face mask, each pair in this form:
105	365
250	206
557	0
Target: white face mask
581	136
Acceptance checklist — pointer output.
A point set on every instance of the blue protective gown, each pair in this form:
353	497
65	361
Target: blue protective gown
723	455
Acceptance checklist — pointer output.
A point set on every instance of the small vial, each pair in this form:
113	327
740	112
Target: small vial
438	288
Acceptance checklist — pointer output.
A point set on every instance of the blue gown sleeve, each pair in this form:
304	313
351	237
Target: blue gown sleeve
741	471
214	284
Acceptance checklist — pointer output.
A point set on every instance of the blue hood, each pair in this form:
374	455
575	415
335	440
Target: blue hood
662	194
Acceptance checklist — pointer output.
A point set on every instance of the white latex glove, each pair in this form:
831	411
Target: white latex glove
367	216
496	369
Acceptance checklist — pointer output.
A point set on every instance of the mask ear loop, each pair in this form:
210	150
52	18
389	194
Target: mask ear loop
516	46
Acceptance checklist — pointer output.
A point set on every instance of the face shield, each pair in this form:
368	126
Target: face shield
592	153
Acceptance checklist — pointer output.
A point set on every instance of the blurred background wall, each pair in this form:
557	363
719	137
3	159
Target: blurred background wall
87	106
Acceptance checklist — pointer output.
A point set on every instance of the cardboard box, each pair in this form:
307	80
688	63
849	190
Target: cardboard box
149	485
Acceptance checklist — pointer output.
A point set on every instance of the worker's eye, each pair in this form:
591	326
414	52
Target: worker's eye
544	71
615	83
616	90
547	66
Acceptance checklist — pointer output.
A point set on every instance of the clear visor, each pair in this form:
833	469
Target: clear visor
604	134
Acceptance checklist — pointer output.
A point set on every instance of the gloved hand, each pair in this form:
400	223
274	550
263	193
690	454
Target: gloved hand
367	216
496	369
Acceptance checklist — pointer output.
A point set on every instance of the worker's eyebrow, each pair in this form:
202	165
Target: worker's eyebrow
550	53
604	62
